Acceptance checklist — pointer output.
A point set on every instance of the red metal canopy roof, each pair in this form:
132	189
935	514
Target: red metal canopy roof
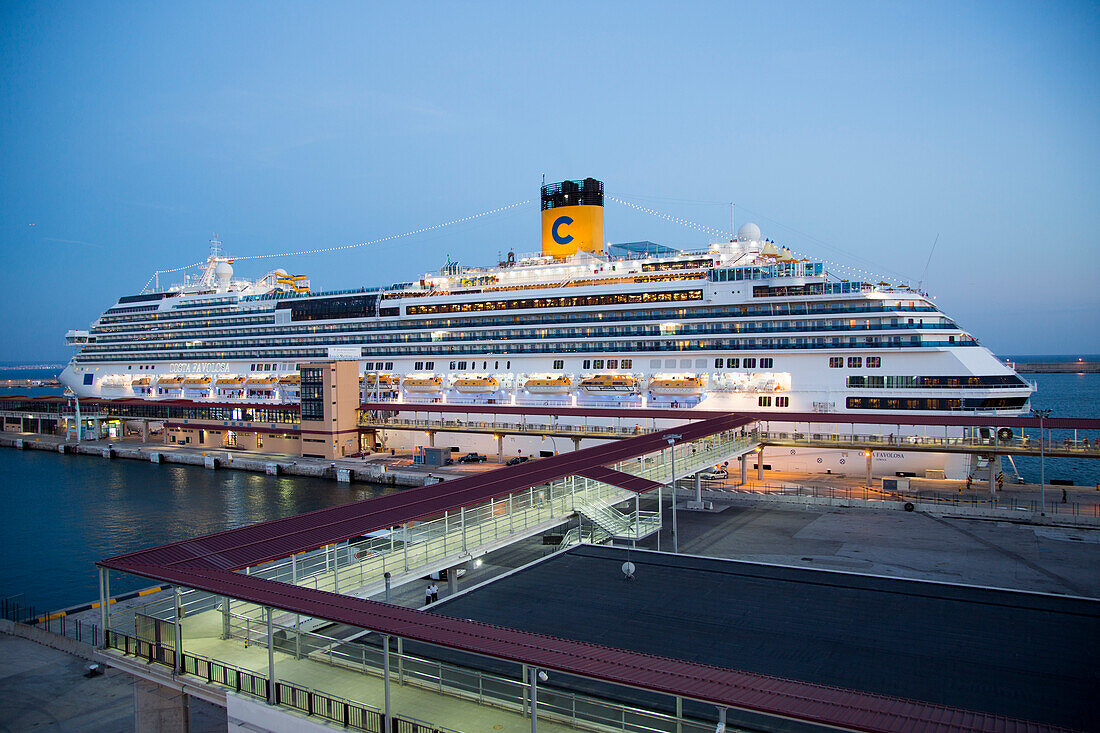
641	414
628	481
239	548
207	564
786	698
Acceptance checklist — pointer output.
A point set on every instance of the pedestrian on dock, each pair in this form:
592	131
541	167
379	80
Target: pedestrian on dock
428	595
1063	496
435	591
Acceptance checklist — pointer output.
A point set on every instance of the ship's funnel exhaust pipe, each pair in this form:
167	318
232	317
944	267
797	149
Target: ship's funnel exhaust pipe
572	218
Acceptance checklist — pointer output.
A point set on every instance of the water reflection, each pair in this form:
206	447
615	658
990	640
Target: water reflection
66	512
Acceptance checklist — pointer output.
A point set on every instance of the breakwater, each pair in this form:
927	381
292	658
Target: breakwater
1058	367
341	470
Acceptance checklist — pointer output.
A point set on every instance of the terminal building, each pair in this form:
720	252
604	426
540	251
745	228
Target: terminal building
323	425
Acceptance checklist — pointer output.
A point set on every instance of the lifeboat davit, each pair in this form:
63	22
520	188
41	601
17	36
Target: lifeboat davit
264	384
385	381
430	383
548	384
290	380
476	385
230	381
610	384
679	386
197	382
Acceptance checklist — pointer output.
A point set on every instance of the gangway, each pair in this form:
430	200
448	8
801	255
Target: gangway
413	550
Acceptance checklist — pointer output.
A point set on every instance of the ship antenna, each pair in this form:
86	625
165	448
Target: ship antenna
920	283
215	246
733	225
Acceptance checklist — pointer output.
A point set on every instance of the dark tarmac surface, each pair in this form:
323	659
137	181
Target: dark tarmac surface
1025	655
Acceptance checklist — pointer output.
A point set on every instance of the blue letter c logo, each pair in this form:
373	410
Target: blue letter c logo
554	230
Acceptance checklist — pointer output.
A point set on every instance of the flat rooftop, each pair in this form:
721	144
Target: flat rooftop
1026	655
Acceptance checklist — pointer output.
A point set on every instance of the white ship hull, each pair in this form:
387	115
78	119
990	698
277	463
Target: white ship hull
764	332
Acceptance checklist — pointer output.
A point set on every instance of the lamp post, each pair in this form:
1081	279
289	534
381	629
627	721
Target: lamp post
1042	414
537	676
671	440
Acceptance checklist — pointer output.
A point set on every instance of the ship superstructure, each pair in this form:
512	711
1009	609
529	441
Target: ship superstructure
740	325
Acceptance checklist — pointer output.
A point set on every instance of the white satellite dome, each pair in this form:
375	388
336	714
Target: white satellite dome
223	273
749	232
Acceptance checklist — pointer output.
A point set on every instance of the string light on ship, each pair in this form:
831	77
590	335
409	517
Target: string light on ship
380	240
390	238
674	219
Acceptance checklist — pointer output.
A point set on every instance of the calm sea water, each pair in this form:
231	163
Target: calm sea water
65	512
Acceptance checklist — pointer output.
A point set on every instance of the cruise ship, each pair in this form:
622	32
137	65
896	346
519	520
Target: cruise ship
741	325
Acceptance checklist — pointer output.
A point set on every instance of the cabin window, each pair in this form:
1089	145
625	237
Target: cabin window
749	363
733	363
764	402
855	362
597	364
874	362
836	362
559	363
782	401
627	363
766	363
612	363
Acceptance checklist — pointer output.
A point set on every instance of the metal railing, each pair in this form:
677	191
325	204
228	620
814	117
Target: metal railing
54	622
945	500
350	714
1018	444
470	684
489	426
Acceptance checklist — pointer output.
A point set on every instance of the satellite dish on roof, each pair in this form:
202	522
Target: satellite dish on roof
628	570
749	232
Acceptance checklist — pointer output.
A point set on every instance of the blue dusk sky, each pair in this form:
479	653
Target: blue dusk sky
853	132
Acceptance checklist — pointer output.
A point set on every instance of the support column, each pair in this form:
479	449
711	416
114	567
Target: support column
158	708
335	569
144	431
270	660
745	469
699	487
993	466
225	617
760	464
576	443
870	457
79	423
500	449
104	614
534	700
177	656
452	580
431	438
386	675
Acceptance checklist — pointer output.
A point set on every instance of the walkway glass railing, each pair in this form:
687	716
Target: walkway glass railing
409	552
1022	443
362	654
